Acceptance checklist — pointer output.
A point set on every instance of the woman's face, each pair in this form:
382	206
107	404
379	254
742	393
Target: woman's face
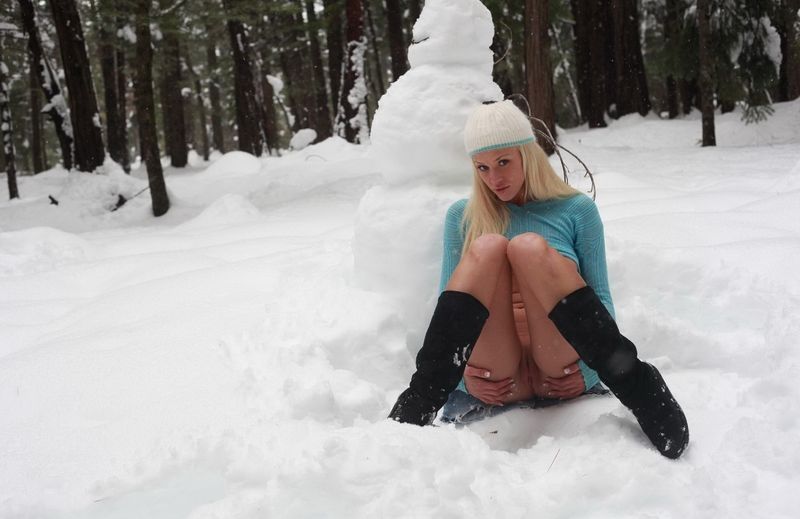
501	170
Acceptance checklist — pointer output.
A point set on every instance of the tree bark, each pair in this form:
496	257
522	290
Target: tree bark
247	108
6	131
201	107
89	151
397	44
334	24
108	68
706	72
631	83
670	40
324	125
171	86
56	107
538	73
218	138
354	89
122	102
591	48
414	10
378	85
145	109
790	65
37	137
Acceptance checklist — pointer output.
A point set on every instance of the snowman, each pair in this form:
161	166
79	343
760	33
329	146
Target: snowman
417	145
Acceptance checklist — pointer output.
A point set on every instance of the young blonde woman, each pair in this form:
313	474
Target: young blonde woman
525	310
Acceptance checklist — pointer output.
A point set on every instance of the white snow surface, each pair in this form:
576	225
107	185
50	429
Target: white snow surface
226	361
236	358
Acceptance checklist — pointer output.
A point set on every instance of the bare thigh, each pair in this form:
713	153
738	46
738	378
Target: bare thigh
549	351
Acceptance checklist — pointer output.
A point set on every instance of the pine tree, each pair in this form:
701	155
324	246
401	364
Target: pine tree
88	143
109	63
539	78
172	84
145	108
354	118
397	44
56	107
706	71
6	129
247	109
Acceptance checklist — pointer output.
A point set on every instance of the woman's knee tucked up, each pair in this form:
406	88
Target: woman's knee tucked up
528	246
488	247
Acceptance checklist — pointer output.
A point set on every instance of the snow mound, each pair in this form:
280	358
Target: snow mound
39	249
302	138
229	209
235	163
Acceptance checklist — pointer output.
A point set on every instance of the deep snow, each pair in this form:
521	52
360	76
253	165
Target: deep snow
226	360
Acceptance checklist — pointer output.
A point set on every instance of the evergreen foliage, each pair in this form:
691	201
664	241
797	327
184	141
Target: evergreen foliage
298	59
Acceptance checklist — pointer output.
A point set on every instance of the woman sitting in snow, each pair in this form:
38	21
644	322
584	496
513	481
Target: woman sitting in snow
525	310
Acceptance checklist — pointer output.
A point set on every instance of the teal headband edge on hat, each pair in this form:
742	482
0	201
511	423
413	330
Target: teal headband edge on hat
502	145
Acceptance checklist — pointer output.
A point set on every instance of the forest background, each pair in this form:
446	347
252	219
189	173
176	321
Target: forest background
145	79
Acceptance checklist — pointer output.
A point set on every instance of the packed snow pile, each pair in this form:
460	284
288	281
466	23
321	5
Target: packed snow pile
416	132
225	360
417	143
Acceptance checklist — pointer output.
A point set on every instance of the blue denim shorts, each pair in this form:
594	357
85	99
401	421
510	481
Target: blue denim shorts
462	408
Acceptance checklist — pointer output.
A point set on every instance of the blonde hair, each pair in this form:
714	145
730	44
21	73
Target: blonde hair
485	213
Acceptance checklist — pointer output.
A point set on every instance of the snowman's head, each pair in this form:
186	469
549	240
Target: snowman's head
453	32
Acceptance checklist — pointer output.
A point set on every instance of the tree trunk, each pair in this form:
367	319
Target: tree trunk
790	65
598	63
501	73
145	109
56	107
631	82
269	115
247	109
122	102
37	139
539	75
397	44
172	98
89	151
6	131
201	107
108	67
688	91
414	10
354	119
670	41
324	122
581	33
379	86
591	58
334	24
706	72
218	138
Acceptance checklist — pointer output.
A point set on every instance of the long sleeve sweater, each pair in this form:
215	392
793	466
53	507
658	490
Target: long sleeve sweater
571	226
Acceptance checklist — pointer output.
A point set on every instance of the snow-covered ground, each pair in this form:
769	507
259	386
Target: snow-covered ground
229	360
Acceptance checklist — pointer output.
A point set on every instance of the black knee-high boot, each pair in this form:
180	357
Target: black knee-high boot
589	328
455	326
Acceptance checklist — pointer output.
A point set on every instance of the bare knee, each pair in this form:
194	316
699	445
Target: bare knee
488	248
528	247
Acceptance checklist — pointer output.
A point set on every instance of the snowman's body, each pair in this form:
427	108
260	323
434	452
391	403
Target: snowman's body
417	129
417	145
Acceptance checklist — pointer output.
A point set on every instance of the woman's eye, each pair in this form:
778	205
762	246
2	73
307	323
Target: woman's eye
503	162
483	169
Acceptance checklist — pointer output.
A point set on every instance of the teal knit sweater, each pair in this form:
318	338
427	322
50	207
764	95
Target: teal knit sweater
571	226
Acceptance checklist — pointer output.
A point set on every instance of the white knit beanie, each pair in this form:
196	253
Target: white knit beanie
495	126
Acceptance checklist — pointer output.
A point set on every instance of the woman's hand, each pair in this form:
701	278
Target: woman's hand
570	386
487	391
